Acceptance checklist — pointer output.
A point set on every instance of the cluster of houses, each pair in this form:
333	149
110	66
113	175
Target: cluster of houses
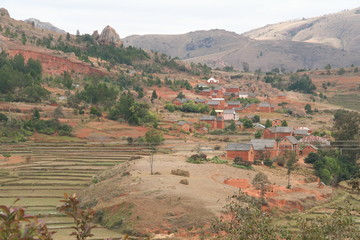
276	141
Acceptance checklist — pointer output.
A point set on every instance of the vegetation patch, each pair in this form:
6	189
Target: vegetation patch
180	172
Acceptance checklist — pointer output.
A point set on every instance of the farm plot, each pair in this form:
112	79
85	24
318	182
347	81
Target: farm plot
50	170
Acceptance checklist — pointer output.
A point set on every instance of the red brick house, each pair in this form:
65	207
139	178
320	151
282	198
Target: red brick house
245	151
214	105
276	122
266	107
264	148
232	89
277	132
181	101
233	104
307	149
207	92
215	122
185	126
289	143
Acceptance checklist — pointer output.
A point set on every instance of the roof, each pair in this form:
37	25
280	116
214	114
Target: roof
265	104
199	100
301	132
310	145
229	111
292	139
262	144
207	90
239	147
183	123
212	79
218	88
183	100
259	125
252	95
218	99
230	87
281	129
204	85
243	93
211	102
315	140
208	118
233	103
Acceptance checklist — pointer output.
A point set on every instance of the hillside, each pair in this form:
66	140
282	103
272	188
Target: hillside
309	43
339	30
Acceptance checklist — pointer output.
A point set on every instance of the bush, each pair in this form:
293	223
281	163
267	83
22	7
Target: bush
197	158
180	172
184	181
95	111
280	161
268	163
217	147
217	160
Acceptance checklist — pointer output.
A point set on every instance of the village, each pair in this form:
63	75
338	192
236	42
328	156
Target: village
232	105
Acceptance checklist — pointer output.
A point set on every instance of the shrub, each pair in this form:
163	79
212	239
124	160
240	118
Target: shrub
217	147
95	111
280	161
184	181
268	163
197	158
218	160
180	172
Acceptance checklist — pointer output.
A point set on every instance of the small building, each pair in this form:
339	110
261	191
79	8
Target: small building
243	95
213	81
215	122
230	114
202	85
245	151
214	105
233	104
289	143
264	148
207	92
301	132
181	101
232	89
307	149
258	126
277	132
266	107
276	122
201	101
185	126
281	96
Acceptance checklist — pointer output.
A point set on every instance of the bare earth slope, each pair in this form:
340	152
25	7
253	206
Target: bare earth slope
340	30
308	43
219	48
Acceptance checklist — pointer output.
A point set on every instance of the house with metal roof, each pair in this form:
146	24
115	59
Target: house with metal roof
242	150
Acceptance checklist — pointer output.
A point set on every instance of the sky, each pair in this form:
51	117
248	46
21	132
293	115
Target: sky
130	17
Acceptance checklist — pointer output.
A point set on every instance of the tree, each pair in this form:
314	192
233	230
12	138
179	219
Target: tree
256	119
36	114
180	95
308	109
341	71
3	117
232	126
213	112
247	123
67	80
246	66
258	134
284	123
67	36
260	182
58	113
290	164
268	123
243	220
153	139
154	95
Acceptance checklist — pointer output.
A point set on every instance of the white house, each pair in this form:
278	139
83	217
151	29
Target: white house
230	114
213	80
243	95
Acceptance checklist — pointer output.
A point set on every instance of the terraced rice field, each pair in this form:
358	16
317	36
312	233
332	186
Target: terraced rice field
53	169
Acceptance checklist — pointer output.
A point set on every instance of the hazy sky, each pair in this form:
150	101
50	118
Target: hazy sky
169	16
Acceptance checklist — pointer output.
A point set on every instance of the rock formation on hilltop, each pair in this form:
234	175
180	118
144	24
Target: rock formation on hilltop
4	12
44	25
109	36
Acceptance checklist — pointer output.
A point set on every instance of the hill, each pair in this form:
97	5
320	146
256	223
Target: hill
301	44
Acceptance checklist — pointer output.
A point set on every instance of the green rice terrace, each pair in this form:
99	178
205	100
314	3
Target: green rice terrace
52	169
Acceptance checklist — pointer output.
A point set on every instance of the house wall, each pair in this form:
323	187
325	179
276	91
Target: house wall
245	155
220	124
232	90
231	117
307	150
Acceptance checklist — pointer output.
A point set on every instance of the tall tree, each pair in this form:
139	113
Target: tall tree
291	160
153	139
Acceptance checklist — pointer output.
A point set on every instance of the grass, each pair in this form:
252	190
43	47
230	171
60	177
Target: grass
350	101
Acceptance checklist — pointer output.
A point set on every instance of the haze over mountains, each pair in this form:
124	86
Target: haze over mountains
307	43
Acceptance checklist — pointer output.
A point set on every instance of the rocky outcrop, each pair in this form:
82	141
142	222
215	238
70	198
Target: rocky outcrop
109	36
95	35
44	25
4	12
